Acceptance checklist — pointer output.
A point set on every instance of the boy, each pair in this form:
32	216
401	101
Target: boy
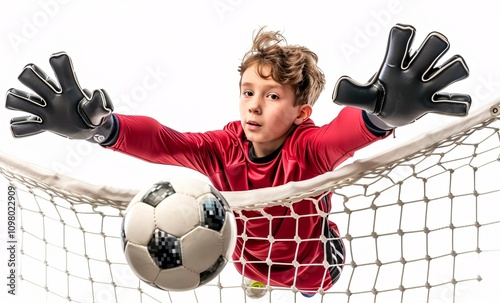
275	141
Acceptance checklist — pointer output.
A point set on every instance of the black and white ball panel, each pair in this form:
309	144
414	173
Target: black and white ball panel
158	192
178	278
139	223
144	267
177	214
165	250
200	249
213	271
213	212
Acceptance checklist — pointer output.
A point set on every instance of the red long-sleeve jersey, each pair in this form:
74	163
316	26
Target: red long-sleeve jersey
227	159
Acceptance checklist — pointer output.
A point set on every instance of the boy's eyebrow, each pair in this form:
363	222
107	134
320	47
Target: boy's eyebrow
270	86
246	84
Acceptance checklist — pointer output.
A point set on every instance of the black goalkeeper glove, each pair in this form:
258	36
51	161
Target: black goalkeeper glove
67	110
406	86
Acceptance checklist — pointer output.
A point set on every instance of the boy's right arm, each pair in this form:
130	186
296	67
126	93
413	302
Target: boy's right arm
63	108
66	109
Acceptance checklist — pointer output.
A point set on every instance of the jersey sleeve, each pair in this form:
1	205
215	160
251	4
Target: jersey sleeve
147	139
330	145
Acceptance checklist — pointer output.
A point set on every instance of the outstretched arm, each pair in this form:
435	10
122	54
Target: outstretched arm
64	108
408	86
147	139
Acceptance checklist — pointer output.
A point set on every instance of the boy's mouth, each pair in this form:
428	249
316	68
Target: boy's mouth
253	126
251	122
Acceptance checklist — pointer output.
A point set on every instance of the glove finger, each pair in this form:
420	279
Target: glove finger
87	93
434	46
451	71
63	68
35	78
351	93
109	104
23	101
400	39
451	104
96	110
26	126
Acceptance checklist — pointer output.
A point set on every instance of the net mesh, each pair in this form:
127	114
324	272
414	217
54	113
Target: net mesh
420	223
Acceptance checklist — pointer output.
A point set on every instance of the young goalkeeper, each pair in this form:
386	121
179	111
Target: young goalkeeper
274	142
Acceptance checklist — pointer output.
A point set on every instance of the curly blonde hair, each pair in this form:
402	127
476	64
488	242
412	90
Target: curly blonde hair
289	65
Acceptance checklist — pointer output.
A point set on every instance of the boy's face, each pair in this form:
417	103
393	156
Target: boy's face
267	110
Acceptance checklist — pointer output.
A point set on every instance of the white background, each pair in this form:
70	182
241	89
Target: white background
194	48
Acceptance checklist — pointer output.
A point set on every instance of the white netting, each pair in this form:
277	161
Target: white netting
420	224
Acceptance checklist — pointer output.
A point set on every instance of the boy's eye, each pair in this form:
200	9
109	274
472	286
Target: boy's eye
247	93
273	96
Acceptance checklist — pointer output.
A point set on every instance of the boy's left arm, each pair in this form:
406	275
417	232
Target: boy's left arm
322	149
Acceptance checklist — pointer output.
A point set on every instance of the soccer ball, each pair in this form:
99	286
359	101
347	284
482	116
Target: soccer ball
178	234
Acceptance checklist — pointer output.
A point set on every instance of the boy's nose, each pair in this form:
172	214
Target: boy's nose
254	109
254	106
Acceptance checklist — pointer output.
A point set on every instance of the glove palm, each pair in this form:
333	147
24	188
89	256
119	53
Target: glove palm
407	87
67	110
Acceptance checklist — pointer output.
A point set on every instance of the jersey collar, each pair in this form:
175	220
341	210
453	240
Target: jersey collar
265	159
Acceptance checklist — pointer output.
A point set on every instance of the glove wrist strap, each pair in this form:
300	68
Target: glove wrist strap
106	134
376	122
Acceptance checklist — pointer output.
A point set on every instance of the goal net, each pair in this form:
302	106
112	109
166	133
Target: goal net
420	223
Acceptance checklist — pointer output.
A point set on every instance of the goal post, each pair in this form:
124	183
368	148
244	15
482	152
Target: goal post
420	223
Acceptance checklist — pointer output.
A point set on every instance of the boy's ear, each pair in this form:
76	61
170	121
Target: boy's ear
305	112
